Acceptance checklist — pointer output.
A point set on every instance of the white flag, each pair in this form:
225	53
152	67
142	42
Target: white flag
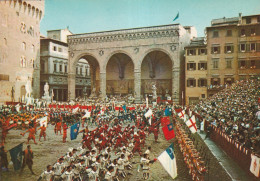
87	115
255	165
75	110
43	121
191	123
181	114
17	107
202	125
148	113
168	161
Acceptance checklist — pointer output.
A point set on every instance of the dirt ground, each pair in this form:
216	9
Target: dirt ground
47	152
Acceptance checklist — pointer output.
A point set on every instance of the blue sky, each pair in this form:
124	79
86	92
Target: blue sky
84	16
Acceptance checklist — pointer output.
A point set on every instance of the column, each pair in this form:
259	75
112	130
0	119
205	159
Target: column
71	86
176	85
137	83
103	81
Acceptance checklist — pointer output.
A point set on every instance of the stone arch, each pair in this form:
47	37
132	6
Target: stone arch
120	74
79	87
151	50
116	52
156	69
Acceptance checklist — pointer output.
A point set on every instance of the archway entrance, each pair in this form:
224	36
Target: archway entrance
156	69
120	75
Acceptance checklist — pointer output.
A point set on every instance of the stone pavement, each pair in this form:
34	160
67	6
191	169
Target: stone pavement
230	166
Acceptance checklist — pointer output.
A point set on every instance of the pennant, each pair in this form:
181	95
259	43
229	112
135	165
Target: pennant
16	156
255	165
168	131
168	161
74	129
176	17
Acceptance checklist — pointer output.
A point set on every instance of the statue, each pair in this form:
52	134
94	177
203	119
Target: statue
93	92
28	88
167	92
12	94
46	89
154	91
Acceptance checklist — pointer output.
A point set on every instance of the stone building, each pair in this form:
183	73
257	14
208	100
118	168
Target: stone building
130	61
233	46
54	66
19	47
196	71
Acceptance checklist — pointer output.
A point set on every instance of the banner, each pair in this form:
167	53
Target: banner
74	130
16	156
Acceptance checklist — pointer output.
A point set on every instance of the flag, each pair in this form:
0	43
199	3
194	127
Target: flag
168	131
165	121
191	123
181	114
176	17
202	125
168	161
43	121
16	156
167	112
87	115
74	129
124	107
148	113
255	165
17	107
75	110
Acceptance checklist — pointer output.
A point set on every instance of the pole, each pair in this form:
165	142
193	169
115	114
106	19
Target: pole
182	99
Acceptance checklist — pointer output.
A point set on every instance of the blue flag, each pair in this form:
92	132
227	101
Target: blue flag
167	112
176	17
124	107
16	156
74	130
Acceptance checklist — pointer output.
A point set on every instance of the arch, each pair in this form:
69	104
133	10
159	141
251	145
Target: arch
120	74
33	11
82	55
156	69
24	6
151	50
116	52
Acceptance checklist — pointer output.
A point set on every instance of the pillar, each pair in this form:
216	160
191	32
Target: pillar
137	82
103	79
176	84
71	86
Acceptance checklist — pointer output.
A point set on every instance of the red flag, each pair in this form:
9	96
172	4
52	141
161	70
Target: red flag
168	131
165	121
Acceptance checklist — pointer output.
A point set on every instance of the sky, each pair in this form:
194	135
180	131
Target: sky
85	16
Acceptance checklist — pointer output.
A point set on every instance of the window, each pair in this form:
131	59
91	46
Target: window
42	67
60	68
191	83
215	34
229	49
252	64
242	47
55	67
248	20
60	49
54	36
77	71
54	48
4	77
203	96
215	49
202	83
202	66
228	63
215	81
191	66
243	32
253	32
258	19
5	41
80	71
202	51
24	46
215	63
86	72
65	69
33	48
253	47
229	32
191	52
242	64
23	61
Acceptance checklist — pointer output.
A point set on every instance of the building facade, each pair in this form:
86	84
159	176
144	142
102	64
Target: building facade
130	61
19	48
233	46
196	71
54	67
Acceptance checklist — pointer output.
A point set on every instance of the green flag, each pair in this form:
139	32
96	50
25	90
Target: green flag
16	156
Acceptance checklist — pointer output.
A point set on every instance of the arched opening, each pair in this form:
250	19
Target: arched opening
156	69
120	75
84	78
